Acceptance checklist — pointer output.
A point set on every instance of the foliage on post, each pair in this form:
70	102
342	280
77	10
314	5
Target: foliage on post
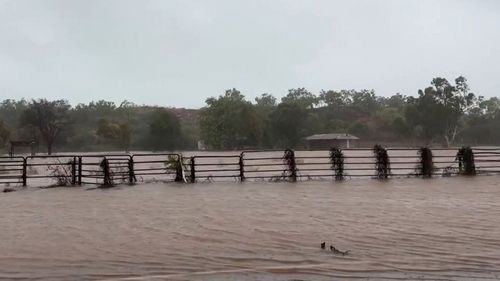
466	165
337	162
107	179
425	166
382	162
289	161
131	172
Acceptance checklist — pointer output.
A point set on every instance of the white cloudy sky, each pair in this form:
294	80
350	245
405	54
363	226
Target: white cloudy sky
177	53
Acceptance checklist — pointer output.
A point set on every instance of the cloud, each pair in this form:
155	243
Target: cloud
178	53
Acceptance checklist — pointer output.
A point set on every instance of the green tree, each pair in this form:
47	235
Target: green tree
117	134
164	130
301	97
4	134
439	109
11	110
49	117
230	121
289	120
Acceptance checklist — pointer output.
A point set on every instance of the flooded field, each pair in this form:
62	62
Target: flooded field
409	228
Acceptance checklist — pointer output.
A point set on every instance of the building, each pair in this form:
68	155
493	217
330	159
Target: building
327	141
31	144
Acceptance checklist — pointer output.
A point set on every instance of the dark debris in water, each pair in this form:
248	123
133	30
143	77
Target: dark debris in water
335	250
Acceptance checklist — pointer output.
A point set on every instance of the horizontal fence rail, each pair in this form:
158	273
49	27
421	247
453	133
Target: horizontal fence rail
251	165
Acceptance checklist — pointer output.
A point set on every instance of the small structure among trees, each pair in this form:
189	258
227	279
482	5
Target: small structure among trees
31	144
326	141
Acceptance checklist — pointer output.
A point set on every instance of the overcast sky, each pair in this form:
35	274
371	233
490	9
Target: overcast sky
178	53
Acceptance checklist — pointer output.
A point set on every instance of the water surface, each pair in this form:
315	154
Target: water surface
436	229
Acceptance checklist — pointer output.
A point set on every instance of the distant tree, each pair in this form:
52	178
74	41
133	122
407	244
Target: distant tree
301	97
289	120
265	101
117	134
365	101
265	105
4	134
49	117
334	99
230	121
440	109
11	110
164	130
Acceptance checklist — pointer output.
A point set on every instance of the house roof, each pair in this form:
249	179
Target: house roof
343	136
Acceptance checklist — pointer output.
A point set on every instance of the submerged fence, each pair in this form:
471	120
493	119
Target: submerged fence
265	165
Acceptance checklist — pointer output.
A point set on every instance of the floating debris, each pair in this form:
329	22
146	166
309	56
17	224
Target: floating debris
338	252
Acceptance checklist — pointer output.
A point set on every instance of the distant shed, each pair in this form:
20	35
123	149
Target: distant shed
327	141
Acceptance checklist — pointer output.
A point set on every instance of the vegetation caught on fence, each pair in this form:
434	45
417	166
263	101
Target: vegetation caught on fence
110	170
337	162
174	163
290	171
425	167
382	162
62	173
465	158
108	180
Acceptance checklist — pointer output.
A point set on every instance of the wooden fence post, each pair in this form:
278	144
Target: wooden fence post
79	170
178	170
73	171
25	172
193	170
289	159
242	168
107	180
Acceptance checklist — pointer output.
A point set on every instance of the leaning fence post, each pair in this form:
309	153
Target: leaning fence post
107	181
289	159
25	173
178	169
79	170
131	172
242	168
193	170
73	171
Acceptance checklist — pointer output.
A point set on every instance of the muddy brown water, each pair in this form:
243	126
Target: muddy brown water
433	229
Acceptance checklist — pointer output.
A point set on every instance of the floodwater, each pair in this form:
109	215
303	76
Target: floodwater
416	229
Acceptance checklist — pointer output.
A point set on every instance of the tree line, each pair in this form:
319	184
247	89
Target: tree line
443	113
96	126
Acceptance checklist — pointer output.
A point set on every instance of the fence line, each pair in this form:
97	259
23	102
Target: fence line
271	165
